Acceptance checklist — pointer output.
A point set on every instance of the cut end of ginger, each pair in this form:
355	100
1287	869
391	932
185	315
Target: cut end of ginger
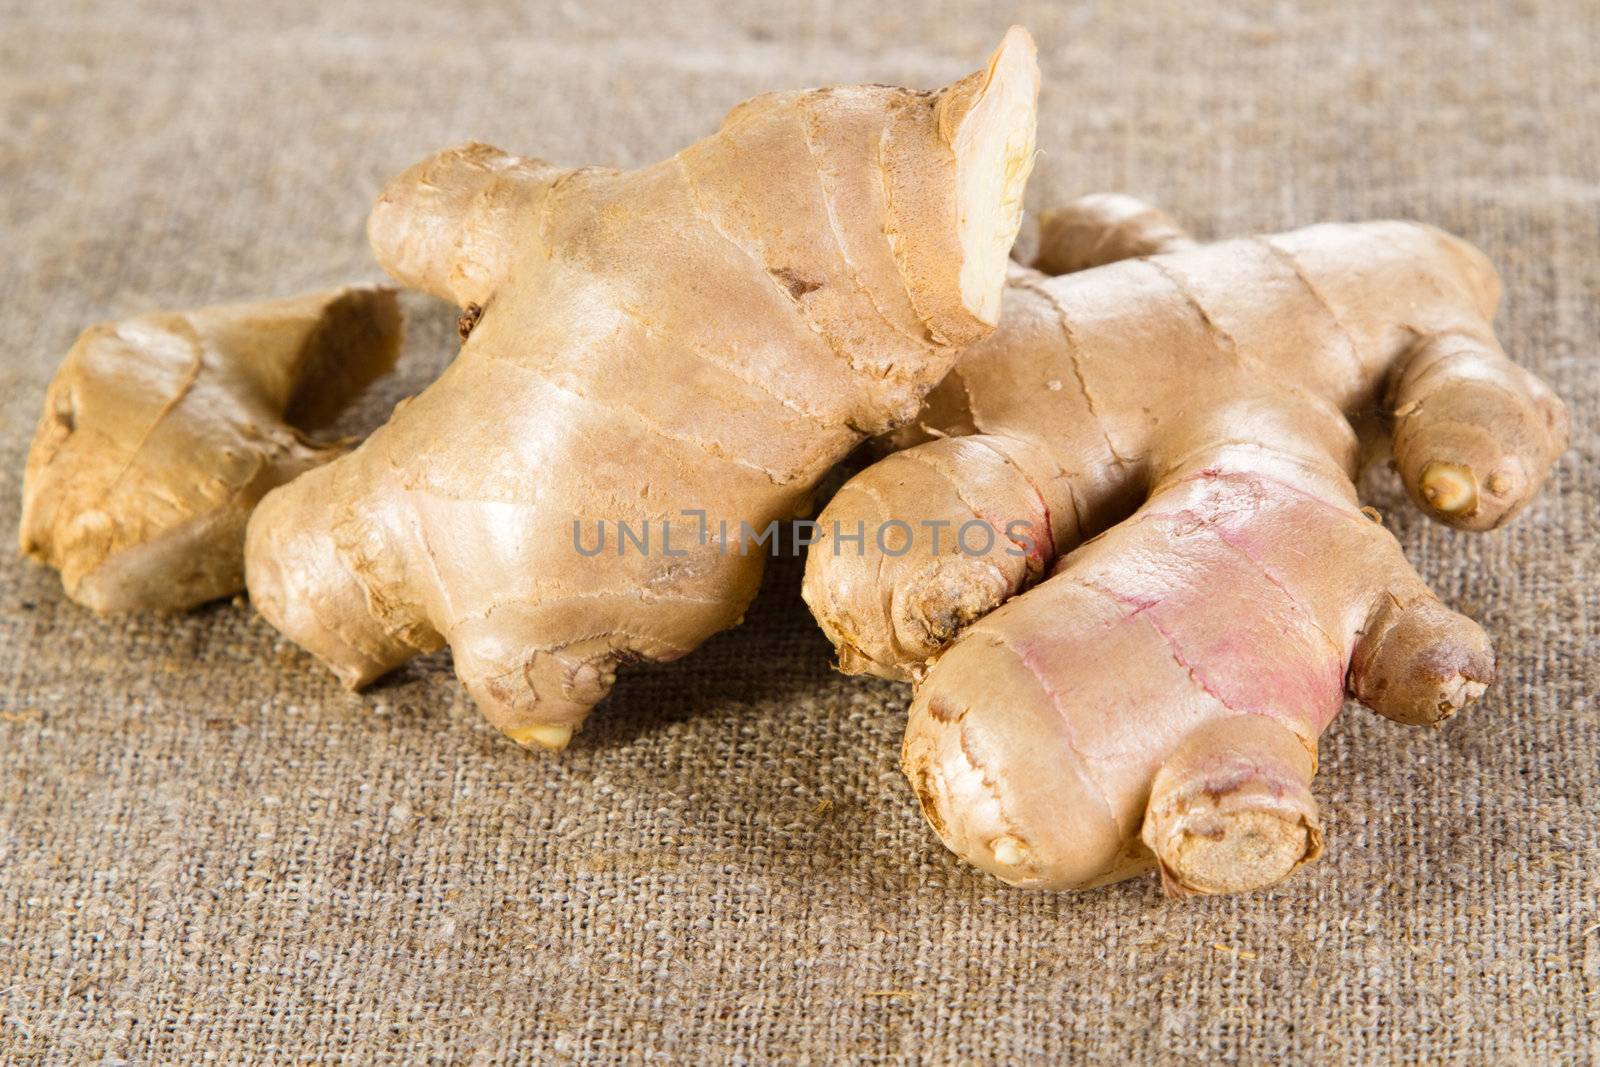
1241	851
994	146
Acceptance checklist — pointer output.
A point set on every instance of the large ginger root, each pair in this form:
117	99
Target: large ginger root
712	332
160	434
1159	698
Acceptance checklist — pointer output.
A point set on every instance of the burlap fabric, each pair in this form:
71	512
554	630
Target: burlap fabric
208	851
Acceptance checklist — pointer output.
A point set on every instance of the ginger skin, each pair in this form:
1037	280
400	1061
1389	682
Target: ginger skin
160	434
1200	414
712	332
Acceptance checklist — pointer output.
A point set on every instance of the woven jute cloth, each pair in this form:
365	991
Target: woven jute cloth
210	852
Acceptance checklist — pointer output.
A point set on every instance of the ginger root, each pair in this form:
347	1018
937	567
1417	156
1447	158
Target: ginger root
712	332
1201	414
160	433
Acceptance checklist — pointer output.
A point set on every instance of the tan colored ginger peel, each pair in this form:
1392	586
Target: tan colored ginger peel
160	433
1158	699
714	331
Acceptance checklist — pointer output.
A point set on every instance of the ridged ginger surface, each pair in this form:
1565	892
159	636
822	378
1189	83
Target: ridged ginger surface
1174	439
161	433
712	332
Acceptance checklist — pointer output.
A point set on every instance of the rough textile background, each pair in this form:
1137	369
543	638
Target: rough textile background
209	852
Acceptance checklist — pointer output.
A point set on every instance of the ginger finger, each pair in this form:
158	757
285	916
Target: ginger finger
955	561
1416	661
1104	228
1473	432
1231	809
160	434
